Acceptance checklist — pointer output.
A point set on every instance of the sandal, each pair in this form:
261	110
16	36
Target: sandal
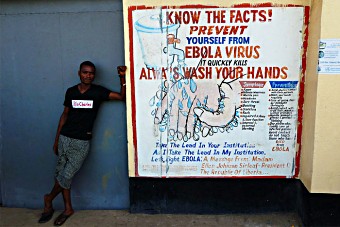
46	216
61	219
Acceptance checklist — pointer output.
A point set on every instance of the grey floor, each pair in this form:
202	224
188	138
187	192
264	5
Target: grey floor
29	217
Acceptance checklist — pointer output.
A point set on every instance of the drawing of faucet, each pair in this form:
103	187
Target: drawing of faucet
171	50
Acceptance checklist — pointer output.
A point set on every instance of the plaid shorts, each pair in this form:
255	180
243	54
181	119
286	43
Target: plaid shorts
71	155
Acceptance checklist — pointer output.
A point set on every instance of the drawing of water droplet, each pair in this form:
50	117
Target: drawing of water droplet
193	86
184	94
184	113
152	101
153	112
179	84
198	103
162	128
180	104
186	81
189	104
172	79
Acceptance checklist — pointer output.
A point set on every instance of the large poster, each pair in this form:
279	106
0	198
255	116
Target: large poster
215	91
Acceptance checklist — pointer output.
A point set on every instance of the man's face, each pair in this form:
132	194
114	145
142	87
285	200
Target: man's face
86	74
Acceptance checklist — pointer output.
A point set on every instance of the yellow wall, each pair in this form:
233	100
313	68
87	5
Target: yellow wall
311	80
325	175
320	156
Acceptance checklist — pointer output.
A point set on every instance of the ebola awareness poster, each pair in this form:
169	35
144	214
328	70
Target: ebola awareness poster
215	91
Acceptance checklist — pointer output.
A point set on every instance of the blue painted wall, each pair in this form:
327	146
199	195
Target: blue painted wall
42	44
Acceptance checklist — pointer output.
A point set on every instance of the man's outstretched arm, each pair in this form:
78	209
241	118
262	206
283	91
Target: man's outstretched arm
122	94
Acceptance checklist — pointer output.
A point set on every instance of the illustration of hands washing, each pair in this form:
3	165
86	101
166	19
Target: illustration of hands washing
180	107
183	107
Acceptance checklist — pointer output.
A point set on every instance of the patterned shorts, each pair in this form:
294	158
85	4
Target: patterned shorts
71	155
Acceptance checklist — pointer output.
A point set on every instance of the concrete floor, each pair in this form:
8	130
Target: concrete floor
29	217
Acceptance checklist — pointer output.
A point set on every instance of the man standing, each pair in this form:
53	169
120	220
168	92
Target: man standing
74	133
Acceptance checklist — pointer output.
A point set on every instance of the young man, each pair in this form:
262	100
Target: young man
72	142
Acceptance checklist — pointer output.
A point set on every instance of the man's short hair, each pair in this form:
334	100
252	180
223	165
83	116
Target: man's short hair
87	63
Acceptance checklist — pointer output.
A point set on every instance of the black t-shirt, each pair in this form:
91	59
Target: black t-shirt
83	110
